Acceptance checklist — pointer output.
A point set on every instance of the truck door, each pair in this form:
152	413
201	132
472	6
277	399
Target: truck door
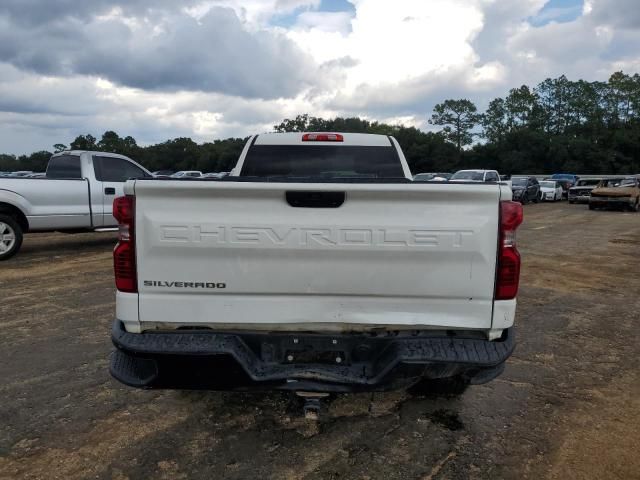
491	177
111	173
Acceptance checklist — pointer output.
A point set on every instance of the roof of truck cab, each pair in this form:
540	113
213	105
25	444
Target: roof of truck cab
349	139
92	152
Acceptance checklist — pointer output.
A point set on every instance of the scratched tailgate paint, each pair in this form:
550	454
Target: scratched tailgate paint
222	253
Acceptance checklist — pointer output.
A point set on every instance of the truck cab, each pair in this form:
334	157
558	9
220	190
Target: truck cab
104	172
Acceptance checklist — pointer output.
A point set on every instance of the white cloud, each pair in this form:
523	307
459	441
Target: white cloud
215	53
623	14
397	44
155	70
325	21
402	56
255	13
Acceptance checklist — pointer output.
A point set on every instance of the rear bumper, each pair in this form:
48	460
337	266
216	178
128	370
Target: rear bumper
579	198
612	201
292	361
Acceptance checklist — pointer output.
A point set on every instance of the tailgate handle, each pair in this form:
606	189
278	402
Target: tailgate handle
315	199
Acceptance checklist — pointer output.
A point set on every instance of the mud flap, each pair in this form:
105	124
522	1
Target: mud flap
133	371
485	375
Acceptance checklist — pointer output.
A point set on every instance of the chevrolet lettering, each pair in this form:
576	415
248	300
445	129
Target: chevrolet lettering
311	236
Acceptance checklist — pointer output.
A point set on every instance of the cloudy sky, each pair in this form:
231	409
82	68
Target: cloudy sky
159	69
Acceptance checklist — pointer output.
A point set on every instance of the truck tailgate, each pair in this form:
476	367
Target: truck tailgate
237	255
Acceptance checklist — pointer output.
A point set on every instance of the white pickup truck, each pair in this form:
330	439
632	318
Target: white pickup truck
317	266
76	195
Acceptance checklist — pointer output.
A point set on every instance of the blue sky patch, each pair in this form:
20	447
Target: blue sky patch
560	11
287	21
336	6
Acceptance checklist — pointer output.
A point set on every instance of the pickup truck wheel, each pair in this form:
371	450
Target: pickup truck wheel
636	207
592	206
436	387
10	237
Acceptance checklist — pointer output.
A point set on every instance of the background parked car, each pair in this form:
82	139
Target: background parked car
163	173
525	189
581	191
215	175
76	195
475	176
187	174
570	177
426	177
565	184
616	193
551	190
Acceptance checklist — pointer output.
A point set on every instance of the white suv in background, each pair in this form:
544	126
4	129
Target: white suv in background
187	174
475	176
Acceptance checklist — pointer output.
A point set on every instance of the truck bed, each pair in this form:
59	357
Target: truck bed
49	203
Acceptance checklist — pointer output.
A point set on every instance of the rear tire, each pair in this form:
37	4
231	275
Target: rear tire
636	206
536	199
10	237
440	387
592	206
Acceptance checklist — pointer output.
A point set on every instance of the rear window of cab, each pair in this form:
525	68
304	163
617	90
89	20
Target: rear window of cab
326	161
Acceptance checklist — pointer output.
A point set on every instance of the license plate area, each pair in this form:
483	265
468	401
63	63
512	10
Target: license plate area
315	356
306	349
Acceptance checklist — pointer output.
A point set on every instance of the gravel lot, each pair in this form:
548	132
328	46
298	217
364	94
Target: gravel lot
568	405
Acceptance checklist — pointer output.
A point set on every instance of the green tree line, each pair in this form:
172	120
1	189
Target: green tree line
558	125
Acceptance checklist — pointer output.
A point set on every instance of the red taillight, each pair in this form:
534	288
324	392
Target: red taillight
322	137
124	255
123	209
508	274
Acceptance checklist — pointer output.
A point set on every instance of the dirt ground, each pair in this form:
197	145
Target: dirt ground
567	406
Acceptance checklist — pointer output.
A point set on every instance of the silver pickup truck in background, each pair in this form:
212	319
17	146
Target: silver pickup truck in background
76	195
